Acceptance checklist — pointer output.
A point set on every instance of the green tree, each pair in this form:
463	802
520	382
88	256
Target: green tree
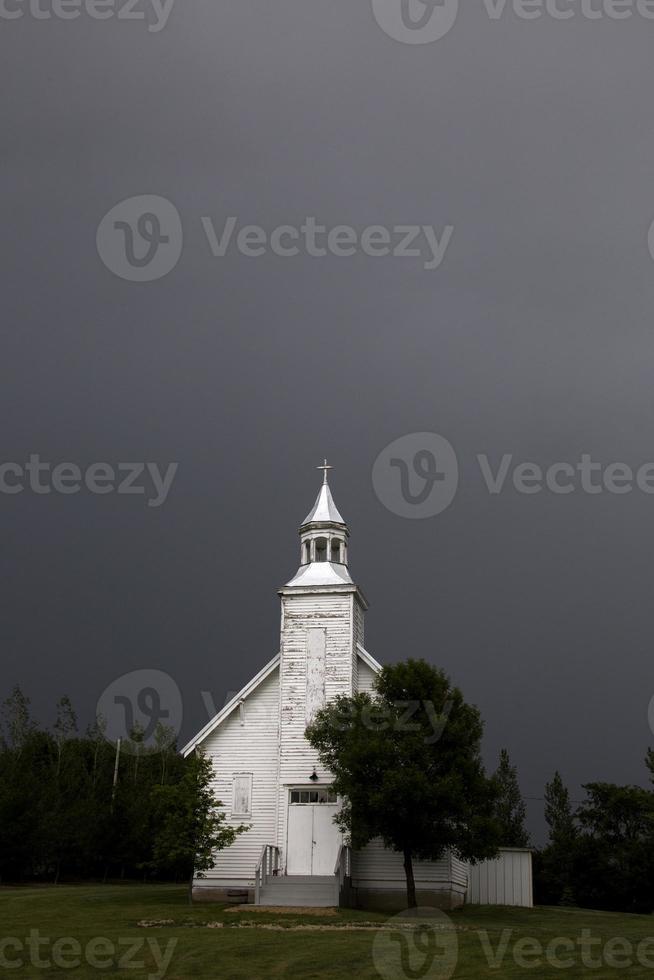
17	725
65	726
56	815
407	763
617	814
614	855
554	865
649	762
24	772
509	807
25	778
558	812
189	824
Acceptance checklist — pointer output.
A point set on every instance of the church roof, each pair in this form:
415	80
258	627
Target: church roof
258	679
232	703
324	510
321	573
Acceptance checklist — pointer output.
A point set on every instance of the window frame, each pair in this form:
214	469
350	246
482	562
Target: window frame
250	782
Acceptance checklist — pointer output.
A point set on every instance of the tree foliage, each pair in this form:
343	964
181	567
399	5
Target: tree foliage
649	762
407	763
190	827
600	855
558	812
60	817
510	809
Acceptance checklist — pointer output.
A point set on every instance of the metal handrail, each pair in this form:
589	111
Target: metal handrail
267	865
343	867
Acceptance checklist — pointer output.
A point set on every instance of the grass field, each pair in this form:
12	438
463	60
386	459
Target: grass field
98	932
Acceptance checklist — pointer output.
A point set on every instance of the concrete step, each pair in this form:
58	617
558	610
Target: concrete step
305	886
290	880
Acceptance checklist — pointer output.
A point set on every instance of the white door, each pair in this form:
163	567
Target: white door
300	840
313	837
326	839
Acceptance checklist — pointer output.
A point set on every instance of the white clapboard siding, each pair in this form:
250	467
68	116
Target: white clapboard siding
359	624
379	867
306	618
366	678
507	880
459	870
246	743
355	655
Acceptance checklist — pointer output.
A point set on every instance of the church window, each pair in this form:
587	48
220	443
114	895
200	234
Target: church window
321	549
336	550
242	805
306	552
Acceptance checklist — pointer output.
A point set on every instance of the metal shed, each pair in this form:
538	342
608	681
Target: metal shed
506	880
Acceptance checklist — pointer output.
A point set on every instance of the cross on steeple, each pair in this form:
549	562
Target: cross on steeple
325	466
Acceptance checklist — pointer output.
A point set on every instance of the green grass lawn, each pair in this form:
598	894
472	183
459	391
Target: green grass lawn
94	916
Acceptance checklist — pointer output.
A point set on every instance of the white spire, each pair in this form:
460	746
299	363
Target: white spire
324	510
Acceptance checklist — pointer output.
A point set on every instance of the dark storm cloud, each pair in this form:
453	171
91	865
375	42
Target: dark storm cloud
533	140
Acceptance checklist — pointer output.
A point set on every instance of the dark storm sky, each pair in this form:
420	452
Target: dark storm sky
535	140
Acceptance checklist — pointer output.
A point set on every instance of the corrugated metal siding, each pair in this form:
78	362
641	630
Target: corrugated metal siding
507	880
248	747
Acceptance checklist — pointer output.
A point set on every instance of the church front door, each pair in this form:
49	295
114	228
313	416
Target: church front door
313	837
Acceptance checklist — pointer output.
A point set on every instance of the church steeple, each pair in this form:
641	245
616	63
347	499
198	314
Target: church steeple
324	510
323	542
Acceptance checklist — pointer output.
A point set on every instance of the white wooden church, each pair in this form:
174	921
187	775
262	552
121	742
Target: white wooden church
269	778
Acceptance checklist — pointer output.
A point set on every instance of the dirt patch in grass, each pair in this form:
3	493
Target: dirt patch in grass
284	910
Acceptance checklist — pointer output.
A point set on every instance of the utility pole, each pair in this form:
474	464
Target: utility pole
115	783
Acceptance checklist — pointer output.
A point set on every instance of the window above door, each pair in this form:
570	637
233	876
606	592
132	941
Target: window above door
313	796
